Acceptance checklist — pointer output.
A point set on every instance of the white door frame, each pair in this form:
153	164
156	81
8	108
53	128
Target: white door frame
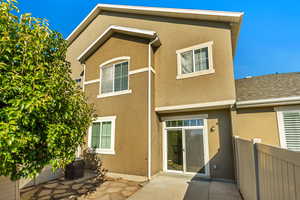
205	143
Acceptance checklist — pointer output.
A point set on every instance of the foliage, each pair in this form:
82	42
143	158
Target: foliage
43	114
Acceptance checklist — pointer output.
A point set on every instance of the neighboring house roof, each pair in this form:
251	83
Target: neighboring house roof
234	18
108	33
268	89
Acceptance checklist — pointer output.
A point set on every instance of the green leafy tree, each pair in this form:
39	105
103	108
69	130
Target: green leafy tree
43	114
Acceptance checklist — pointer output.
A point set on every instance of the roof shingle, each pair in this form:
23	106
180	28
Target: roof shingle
268	86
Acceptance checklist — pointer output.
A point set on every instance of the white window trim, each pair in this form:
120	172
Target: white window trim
107	63
111	119
91	81
132	72
279	112
281	130
184	117
111	94
114	60
210	69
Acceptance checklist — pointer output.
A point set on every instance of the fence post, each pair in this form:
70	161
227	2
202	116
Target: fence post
235	138
256	168
18	196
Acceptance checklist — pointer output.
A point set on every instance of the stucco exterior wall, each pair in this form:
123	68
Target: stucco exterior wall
257	123
220	145
117	46
174	34
156	138
156	145
130	109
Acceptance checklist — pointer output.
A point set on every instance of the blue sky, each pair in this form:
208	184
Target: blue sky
269	40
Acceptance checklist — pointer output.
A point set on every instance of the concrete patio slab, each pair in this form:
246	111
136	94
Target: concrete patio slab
185	188
127	177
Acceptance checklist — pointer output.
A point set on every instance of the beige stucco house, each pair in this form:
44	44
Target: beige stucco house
268	107
162	84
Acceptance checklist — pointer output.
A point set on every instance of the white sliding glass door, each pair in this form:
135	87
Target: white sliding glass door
194	151
186	146
174	150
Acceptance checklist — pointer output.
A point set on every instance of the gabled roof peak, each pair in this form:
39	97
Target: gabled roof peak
116	29
234	18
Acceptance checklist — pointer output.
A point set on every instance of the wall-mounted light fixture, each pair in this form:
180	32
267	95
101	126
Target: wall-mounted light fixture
212	129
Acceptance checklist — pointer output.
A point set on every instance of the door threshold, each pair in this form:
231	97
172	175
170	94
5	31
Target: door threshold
186	175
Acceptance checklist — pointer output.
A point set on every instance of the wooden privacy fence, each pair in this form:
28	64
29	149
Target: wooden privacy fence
266	172
47	174
9	190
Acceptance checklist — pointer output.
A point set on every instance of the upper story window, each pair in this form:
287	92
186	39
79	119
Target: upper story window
114	79
194	61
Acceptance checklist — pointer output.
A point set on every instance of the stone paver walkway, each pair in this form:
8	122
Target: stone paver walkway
185	188
86	189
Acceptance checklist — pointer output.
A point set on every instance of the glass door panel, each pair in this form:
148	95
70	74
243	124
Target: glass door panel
174	148
194	145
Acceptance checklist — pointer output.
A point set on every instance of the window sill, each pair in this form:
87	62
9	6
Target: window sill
105	151
114	93
204	72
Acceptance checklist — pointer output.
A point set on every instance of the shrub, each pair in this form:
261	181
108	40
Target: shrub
43	114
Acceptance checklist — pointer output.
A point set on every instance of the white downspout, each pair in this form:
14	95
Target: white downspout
149	108
83	78
78	151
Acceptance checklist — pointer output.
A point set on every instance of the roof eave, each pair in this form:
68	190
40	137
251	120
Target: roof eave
268	102
108	33
234	18
196	107
175	12
235	33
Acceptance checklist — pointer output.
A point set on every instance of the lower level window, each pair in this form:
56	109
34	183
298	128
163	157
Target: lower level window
290	129
102	134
